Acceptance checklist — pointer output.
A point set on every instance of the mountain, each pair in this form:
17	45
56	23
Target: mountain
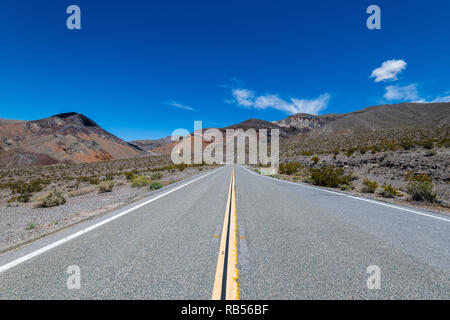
372	118
399	116
151	144
74	138
404	115
63	138
303	122
382	126
327	131
258	124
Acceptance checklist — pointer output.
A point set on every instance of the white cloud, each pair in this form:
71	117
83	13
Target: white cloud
405	93
388	70
410	93
248	99
173	103
441	99
243	97
437	99
312	106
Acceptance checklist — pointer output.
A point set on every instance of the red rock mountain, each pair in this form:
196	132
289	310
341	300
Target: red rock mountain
63	138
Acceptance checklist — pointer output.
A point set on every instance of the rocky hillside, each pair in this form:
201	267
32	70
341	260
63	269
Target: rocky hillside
303	122
151	144
404	115
63	138
378	127
381	146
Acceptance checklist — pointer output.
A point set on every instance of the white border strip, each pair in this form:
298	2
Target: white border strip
351	197
95	226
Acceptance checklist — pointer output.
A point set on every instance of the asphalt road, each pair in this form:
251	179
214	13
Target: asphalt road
293	242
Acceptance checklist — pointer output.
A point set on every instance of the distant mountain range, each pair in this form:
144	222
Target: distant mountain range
73	138
319	132
369	119
63	138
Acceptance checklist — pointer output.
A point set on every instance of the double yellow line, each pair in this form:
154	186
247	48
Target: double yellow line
226	285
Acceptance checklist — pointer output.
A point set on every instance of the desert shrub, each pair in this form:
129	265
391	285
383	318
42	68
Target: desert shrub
25	189
420	187
24	197
156	176
389	146
155	185
427	144
105	186
261	165
329	176
52	199
129	175
81	191
406	144
109	176
421	191
417	177
140	181
369	186
388	191
93	180
30	226
315	159
350	152
444	142
289	168
363	150
82	179
181	166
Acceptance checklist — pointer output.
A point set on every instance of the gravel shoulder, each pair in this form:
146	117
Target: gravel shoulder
387	167
22	223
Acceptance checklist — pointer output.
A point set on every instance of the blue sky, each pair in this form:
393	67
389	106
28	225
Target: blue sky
144	68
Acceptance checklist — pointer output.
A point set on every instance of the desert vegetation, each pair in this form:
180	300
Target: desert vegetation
369	186
32	184
106	186
52	199
402	163
290	168
329	176
389	191
420	187
412	173
37	200
369	141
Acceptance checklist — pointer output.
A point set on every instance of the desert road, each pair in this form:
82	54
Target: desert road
231	234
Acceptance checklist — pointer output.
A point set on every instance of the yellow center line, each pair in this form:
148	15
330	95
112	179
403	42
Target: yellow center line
227	258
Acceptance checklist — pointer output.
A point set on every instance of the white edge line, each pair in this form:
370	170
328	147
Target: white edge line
95	226
352	197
